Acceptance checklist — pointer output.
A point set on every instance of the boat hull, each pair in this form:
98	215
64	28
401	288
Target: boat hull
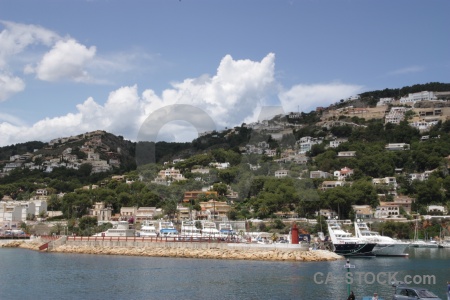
354	249
391	249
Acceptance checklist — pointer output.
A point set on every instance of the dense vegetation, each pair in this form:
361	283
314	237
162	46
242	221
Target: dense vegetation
261	195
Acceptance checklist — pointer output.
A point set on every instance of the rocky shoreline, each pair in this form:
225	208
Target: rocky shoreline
234	254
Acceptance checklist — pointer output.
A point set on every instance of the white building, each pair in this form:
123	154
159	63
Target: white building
387	210
337	142
397	146
343	174
319	174
306	143
385	101
281	173
420	96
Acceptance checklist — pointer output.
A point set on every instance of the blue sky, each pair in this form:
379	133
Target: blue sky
68	67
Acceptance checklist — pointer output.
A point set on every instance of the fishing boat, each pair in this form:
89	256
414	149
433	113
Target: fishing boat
385	246
148	229
344	243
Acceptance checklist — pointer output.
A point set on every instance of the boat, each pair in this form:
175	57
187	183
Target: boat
148	229
167	229
189	231
385	246
122	228
416	243
209	230
424	244
344	243
226	230
444	245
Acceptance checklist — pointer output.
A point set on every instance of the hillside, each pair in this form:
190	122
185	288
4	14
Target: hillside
330	159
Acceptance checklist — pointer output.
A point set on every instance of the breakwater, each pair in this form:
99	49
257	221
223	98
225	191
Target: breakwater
240	251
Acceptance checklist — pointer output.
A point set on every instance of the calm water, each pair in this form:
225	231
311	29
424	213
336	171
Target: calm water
27	274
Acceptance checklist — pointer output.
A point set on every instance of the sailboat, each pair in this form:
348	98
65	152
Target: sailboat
416	243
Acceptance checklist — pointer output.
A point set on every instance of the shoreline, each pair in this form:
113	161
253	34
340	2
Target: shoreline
212	253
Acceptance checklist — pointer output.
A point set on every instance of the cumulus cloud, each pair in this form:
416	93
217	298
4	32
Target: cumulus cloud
15	37
238	92
66	60
9	85
307	97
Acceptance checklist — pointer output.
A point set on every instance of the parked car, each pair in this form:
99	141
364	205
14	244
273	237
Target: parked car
405	292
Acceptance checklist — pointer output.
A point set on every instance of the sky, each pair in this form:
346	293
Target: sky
170	69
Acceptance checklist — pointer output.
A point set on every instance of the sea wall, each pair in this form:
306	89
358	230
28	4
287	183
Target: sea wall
188	250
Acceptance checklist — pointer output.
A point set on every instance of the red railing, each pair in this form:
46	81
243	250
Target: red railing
152	239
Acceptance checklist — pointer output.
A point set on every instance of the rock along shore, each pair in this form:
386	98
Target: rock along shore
235	254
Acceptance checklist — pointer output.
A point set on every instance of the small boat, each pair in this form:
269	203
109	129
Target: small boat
424	244
167	229
444	245
148	229
344	243
385	246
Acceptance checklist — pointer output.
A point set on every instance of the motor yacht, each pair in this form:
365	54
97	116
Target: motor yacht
344	243
167	229
385	246
148	229
189	231
209	230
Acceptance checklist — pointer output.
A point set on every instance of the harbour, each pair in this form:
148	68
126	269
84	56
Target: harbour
135	277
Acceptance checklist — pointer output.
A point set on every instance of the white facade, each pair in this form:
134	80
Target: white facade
281	173
420	96
397	146
385	101
386	211
337	142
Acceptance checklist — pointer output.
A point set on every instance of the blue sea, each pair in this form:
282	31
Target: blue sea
27	274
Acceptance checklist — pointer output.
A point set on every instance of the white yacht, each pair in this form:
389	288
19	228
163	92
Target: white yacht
344	243
209	230
385	246
226	230
148	229
167	229
122	228
190	231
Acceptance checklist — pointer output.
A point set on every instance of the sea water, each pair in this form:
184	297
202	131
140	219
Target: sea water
27	274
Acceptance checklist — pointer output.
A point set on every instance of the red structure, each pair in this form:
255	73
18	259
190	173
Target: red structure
294	234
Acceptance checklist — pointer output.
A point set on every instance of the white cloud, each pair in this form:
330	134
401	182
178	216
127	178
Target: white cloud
16	37
307	97
67	60
9	85
237	93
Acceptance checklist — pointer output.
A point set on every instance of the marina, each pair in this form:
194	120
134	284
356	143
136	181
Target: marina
231	279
